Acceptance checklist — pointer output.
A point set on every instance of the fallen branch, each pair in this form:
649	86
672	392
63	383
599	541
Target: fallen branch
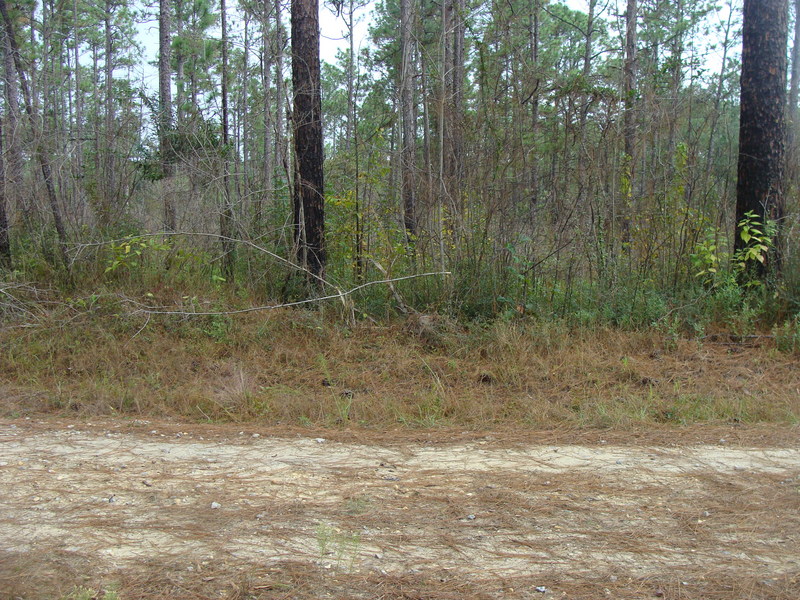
341	295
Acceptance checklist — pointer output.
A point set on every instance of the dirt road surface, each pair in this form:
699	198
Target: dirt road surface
157	511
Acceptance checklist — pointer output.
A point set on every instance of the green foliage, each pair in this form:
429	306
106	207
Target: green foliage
787	336
758	239
130	253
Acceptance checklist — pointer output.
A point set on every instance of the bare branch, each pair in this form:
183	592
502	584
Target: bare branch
341	295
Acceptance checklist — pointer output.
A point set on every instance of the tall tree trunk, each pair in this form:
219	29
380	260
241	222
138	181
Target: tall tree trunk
5	246
268	163
78	193
454	61
629	118
351	76
165	110
762	124
280	95
41	151
408	154
794	89
226	214
309	205
712	137
534	20
243	174
14	176
109	188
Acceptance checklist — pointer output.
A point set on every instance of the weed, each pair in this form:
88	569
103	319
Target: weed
787	336
84	593
342	547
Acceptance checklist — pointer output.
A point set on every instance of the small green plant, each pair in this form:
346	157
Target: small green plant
715	265
131	251
84	593
758	239
709	255
342	546
787	336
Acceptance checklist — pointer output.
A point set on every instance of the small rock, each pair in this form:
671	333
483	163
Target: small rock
216	505
320	440
470	517
659	593
541	589
261	515
256	435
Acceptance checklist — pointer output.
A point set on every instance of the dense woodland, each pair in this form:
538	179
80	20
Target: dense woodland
530	158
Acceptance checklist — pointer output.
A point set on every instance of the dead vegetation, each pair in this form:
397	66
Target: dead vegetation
297	368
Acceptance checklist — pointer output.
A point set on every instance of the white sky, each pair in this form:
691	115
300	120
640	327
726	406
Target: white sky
333	30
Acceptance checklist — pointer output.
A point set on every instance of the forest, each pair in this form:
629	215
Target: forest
493	158
499	299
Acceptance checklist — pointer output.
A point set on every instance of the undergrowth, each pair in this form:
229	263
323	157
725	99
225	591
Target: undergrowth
94	354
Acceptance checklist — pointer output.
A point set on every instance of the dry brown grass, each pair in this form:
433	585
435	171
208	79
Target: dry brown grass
296	368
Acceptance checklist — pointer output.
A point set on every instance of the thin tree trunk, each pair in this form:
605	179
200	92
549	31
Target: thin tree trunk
351	74
14	174
269	144
794	89
41	151
165	110
78	112
5	245
534	56
281	151
408	153
243	175
712	137
226	215
629	119
109	192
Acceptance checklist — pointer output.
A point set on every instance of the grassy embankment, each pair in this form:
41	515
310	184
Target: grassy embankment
93	357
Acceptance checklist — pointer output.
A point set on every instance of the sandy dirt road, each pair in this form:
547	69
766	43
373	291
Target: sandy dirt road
156	511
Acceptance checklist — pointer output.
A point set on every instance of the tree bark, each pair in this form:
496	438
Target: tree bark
165	108
41	151
309	208
281	150
762	121
794	89
408	153
109	191
629	118
14	176
5	246
629	85
226	214
268	164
